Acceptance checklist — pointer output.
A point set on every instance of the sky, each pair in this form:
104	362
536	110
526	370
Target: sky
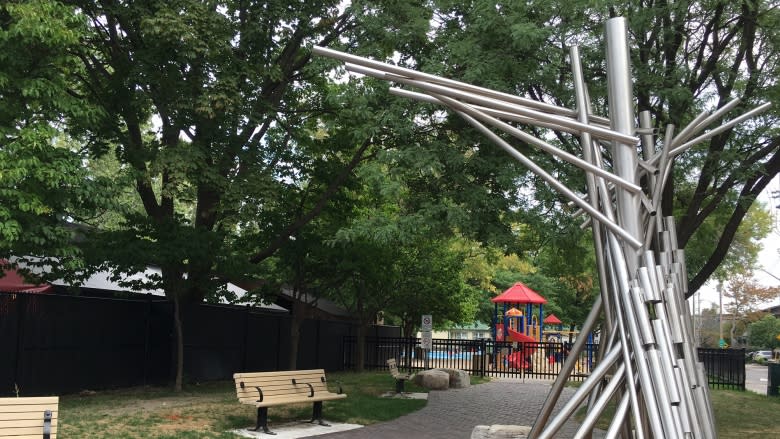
767	271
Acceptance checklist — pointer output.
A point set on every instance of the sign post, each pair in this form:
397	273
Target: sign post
426	341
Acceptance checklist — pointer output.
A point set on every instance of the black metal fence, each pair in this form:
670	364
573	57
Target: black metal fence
478	357
725	368
55	344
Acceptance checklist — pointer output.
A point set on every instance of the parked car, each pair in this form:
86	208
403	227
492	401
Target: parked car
762	355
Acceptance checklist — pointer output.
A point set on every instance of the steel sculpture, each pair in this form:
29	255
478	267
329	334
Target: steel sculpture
648	360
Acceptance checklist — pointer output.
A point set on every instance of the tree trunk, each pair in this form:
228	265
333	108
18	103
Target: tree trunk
360	361
296	322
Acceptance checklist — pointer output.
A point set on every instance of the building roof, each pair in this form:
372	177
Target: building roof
102	281
519	293
552	320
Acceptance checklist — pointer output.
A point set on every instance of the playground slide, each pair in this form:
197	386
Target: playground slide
519	336
519	359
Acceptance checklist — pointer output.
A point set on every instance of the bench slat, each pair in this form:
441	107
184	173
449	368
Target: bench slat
28	408
33	432
269	403
282	373
33	400
24	423
22	418
6	416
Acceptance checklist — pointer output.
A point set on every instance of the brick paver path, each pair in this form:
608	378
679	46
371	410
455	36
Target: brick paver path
453	414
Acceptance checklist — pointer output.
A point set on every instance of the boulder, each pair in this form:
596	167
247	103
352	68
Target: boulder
458	378
500	432
433	379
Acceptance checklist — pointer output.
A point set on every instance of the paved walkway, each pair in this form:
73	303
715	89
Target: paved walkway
454	413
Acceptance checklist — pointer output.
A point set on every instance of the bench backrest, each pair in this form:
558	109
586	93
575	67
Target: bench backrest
393	368
22	418
279	385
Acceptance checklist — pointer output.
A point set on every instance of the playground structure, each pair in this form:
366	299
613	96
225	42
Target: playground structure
647	359
523	328
512	324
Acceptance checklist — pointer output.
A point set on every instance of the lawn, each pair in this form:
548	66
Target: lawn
210	410
738	415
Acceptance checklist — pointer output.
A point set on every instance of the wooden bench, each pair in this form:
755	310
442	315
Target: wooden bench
28	418
265	389
400	378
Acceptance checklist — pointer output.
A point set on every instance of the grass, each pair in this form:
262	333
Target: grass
738	414
211	410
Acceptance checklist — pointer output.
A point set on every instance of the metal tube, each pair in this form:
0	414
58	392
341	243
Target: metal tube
571	405
617	421
686	132
699	124
598	407
497	104
621	115
552	181
504	115
720	129
566	368
353	59
645	377
541	144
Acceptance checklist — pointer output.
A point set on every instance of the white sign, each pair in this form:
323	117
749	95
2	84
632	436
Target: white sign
427	323
426	342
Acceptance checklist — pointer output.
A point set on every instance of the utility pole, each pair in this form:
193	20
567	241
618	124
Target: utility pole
721	342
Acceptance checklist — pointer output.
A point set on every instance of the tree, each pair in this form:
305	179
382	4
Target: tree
745	296
212	109
765	332
43	185
431	281
686	58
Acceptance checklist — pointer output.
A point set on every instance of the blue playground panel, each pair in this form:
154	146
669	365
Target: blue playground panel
444	355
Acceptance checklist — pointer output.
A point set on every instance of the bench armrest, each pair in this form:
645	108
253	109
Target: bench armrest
324	381
259	391
311	388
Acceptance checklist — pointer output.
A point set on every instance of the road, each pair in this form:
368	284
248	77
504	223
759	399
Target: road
756	378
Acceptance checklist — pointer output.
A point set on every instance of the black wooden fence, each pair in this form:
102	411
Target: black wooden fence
55	344
482	357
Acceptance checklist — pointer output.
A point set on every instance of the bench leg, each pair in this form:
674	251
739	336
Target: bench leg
262	421
399	386
317	414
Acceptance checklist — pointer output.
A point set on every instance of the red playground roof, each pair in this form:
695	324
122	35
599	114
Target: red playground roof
13	282
552	320
519	293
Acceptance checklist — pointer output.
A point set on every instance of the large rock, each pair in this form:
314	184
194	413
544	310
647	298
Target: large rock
500	432
458	378
433	379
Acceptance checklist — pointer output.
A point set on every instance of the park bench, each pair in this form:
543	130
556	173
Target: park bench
23	418
266	389
400	378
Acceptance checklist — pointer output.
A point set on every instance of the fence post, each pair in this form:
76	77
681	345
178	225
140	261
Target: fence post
22	312
483	360
147	334
245	340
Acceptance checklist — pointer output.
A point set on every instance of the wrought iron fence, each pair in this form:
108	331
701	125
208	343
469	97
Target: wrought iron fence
725	368
482	357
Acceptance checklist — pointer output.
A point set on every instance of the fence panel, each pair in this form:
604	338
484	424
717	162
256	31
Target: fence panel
725	368
477	357
62	344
